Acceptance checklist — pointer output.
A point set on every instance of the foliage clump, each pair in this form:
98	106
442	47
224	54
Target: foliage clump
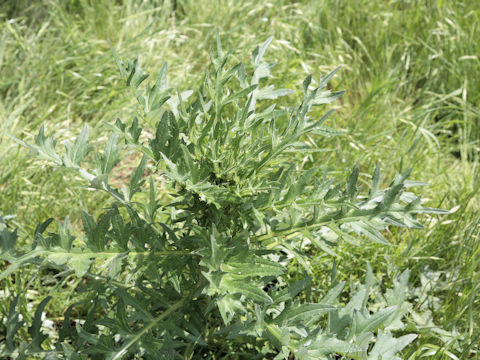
191	259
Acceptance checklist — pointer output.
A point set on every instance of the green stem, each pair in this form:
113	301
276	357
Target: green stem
170	310
324	221
17	262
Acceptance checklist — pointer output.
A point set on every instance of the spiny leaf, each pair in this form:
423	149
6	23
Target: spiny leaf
386	346
251	291
326	97
239	94
324	81
329	344
38	337
303	312
76	152
8	240
258	267
13	323
271	94
352	183
289	293
111	155
135	74
367	229
44	147
64	235
306	83
136	181
363	322
259	51
375	182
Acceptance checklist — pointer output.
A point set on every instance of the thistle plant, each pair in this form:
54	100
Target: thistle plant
191	258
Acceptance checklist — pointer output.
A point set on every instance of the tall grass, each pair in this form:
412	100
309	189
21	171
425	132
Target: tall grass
411	70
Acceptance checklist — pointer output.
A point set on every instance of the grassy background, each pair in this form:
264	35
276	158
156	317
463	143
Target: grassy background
410	67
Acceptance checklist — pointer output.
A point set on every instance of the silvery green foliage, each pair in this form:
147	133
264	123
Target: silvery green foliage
199	268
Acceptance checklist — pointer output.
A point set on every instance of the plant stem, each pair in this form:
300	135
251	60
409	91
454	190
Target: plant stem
170	310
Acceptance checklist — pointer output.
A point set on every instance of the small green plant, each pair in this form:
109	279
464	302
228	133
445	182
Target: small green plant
191	259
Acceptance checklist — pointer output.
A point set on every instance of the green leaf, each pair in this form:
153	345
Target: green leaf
65	237
134	131
303	312
219	44
79	263
367	229
152	204
136	181
111	155
363	322
297	189
13	324
299	256
119	63
161	82
386	346
229	306
217	252
333	294
7	240
44	147
162	135
135	74
259	51
159	93
75	153
38	337
259	267
90	228
306	83
239	94
326	97
17	262
289	293
391	196
398	297
39	230
91	339
375	182
327	345
352	183
175	101
70	352
326	131
270	94
324	81
247	289
59	258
